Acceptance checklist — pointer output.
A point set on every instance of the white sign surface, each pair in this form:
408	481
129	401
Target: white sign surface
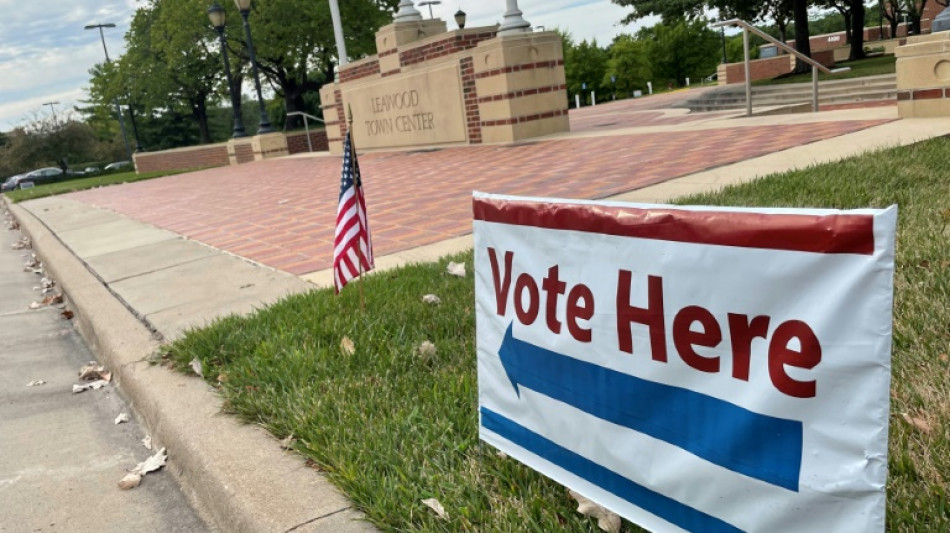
691	368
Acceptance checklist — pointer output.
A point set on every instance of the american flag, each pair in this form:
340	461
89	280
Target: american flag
353	246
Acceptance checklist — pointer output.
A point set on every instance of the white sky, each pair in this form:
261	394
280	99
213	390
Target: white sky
45	55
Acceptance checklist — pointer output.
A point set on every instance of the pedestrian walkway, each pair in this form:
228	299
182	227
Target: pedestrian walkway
281	213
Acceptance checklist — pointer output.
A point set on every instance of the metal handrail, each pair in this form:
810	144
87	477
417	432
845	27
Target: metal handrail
815	66
306	125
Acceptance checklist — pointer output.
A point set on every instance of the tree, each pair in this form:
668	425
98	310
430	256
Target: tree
802	38
628	63
681	49
667	9
891	10
295	46
585	66
780	12
915	10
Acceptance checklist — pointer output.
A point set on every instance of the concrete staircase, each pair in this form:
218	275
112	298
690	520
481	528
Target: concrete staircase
796	96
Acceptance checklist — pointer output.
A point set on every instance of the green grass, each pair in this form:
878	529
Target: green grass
871	66
79	184
391	427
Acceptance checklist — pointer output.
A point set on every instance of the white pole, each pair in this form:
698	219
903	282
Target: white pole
513	22
338	32
687	82
593	98
650	87
577	101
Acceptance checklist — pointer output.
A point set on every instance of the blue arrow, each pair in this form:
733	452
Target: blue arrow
760	446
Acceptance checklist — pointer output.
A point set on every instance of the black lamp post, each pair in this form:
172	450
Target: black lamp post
460	19
218	19
244	6
722	33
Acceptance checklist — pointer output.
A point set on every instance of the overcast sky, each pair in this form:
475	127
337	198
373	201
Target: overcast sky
45	55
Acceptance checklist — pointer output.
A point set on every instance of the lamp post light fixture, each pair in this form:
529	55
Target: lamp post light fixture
430	3
218	20
244	6
53	109
118	109
513	22
460	19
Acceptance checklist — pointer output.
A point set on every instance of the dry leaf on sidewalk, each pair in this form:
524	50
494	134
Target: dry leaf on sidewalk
35	305
347	346
431	299
434	504
147	442
287	443
36	383
606	520
93	371
95	385
456	269
123	417
67	314
197	368
153	463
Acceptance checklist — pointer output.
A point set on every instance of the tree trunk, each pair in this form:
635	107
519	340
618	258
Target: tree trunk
199	111
848	26
857	30
802	42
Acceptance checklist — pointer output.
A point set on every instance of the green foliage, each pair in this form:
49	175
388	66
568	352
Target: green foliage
44	143
629	63
682	49
585	64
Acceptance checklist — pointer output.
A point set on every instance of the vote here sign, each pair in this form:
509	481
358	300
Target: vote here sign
691	368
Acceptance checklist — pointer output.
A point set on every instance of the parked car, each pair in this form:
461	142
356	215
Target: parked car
42	175
11	183
91	170
117	165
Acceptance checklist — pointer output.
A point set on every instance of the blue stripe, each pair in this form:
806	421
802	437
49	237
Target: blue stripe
654	503
756	445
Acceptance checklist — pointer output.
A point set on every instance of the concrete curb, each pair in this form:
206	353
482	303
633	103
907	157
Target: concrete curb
235	475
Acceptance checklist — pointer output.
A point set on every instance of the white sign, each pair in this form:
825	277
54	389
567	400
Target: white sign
691	368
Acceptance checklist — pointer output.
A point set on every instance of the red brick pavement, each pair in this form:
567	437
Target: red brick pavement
281	212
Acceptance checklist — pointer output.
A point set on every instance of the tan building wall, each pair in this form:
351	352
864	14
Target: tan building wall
429	86
923	76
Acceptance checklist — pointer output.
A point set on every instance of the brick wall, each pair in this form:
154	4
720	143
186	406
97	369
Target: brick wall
473	120
209	155
362	69
443	47
297	142
762	69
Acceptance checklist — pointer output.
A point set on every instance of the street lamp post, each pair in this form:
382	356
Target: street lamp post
218	19
722	32
244	6
118	109
513	22
52	109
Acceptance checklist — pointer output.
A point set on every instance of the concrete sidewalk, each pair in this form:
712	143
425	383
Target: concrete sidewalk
120	254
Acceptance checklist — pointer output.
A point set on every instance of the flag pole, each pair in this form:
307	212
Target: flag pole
349	131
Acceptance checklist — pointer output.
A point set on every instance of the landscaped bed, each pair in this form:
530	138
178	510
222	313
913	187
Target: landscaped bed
392	425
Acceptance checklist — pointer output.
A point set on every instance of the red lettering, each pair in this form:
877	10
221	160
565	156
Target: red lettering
576	311
807	357
684	338
528	315
741	331
553	287
501	287
652	316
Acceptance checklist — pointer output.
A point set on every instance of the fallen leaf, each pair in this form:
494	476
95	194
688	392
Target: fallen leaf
943	357
130	481
282	202
151	464
123	417
434	504
222	378
35	305
501	454
93	371
288	442
196	367
456	269
95	385
431	299
147	442
347	346
67	314
36	383
426	349
918	423
606	520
